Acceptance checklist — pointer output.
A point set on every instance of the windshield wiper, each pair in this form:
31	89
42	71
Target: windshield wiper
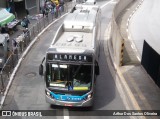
76	72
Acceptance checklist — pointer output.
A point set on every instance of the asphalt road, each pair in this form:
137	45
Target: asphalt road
27	90
145	25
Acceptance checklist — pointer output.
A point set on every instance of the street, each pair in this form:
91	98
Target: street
148	27
28	88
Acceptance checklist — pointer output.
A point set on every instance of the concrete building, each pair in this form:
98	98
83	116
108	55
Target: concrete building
18	7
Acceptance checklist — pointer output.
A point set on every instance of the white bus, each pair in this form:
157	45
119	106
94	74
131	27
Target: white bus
72	59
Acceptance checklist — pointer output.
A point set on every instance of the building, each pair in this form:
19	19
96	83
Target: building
19	7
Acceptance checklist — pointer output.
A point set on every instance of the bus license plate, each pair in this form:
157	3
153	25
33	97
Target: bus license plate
68	105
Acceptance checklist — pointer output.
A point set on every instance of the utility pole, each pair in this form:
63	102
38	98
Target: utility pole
38	6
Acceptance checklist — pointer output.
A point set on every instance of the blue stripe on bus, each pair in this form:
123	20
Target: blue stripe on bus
68	97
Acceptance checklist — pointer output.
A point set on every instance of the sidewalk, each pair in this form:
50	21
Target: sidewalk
35	28
145	91
33	22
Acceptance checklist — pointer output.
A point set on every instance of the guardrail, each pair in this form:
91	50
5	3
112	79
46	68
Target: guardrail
28	36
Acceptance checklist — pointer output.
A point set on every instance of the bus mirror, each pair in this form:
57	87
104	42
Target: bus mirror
41	69
97	70
43	60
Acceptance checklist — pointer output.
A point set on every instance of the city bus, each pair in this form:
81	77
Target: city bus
71	61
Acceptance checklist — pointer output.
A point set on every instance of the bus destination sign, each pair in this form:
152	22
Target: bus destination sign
70	57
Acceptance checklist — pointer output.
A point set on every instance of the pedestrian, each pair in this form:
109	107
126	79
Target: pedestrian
56	10
5	29
59	9
20	40
46	12
53	4
14	44
26	32
61	5
25	22
43	11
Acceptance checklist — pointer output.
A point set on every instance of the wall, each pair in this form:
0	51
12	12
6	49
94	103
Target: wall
151	62
3	3
116	40
31	5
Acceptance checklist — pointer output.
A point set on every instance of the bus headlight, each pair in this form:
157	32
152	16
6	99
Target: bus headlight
47	93
89	96
1	60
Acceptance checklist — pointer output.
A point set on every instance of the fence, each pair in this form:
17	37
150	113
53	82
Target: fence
14	56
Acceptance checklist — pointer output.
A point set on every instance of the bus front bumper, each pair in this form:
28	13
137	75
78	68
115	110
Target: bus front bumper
84	103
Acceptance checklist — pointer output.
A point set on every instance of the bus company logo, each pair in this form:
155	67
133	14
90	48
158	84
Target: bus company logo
68	98
62	98
6	113
76	99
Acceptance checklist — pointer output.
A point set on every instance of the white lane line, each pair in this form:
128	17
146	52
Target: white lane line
107	4
128	24
138	58
66	113
22	57
132	46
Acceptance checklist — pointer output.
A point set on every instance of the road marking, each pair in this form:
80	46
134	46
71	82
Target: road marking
140	94
132	46
135	49
112	1
138	58
66	113
127	29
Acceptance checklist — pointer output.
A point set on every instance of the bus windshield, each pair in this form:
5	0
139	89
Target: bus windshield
69	76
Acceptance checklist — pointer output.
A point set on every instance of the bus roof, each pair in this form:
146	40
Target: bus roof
81	16
77	42
77	33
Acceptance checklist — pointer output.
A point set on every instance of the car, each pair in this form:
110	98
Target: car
5	17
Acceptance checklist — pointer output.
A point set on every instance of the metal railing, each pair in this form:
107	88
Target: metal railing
15	55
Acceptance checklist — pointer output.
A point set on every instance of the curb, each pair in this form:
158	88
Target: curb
127	25
122	52
129	101
118	72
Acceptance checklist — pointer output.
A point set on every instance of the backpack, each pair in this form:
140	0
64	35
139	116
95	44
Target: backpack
23	23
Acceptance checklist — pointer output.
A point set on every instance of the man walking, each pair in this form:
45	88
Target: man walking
25	22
